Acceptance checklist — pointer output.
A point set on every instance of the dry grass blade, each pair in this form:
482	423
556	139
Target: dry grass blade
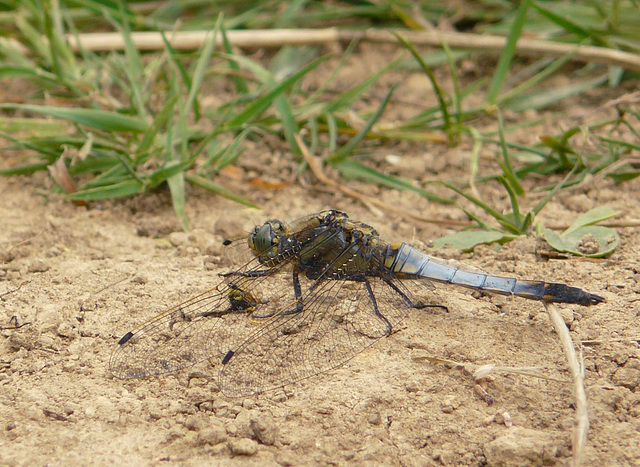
623	223
594	342
190	40
609	170
24	242
60	174
16	289
482	371
598	178
577	375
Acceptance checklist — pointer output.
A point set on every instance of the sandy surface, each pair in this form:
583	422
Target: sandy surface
74	279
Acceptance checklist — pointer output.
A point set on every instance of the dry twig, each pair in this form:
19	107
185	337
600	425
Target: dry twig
482	371
577	375
190	40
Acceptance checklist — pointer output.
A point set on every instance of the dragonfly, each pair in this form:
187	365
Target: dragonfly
315	293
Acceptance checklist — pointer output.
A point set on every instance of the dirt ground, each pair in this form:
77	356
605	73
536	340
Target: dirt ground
74	279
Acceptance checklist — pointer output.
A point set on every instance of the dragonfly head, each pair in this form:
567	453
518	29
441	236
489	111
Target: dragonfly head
264	237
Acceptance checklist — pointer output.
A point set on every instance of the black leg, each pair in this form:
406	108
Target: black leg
417	306
297	292
260	273
376	310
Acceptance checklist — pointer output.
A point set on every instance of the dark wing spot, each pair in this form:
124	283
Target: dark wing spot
124	339
227	357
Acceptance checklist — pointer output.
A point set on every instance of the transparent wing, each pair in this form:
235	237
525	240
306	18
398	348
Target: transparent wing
175	339
203	327
236	251
339	319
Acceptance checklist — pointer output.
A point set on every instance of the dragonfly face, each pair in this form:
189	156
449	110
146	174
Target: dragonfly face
317	292
263	240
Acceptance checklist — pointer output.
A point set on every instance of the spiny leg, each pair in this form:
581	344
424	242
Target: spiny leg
258	273
409	302
264	273
297	293
376	310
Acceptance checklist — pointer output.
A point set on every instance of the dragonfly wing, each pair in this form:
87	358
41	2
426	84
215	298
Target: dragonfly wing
339	319
418	292
177	338
199	329
236	251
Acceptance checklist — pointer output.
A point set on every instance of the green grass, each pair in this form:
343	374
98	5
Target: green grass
126	123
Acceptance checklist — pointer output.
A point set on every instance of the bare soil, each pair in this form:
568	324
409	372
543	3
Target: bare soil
74	279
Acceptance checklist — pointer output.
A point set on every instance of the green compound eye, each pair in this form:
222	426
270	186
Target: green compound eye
262	238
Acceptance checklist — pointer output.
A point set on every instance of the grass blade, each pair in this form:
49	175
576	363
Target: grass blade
252	111
506	165
545	97
504	62
118	190
570	26
217	189
238	81
133	69
504	220
353	169
158	123
348	148
201	65
436	87
98	119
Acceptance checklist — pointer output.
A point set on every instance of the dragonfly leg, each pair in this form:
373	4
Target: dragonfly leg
213	313
259	273
376	310
297	292
417	306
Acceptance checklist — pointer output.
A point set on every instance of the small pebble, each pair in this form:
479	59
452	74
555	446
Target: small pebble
264	429
243	447
212	435
194	423
38	265
287	459
449	404
522	446
139	279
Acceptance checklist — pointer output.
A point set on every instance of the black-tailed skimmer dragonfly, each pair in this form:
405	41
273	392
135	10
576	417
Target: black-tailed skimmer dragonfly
344	289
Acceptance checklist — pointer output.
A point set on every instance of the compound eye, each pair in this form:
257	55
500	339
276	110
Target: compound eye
261	238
